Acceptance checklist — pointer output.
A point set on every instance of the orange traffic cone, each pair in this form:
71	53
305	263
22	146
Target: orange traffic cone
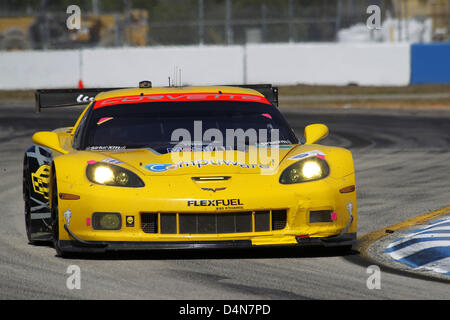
80	84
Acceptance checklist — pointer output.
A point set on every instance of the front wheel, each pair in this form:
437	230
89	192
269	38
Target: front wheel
27	207
55	219
28	222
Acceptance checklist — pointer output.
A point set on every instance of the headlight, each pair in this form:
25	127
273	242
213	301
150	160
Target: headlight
111	175
309	169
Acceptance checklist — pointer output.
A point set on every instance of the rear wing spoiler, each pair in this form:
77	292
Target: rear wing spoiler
59	98
269	91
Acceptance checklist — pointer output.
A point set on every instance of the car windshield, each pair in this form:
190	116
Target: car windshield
166	126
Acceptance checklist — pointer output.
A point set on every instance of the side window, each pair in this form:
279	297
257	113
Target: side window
78	133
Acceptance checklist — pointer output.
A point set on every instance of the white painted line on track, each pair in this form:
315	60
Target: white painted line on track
427	248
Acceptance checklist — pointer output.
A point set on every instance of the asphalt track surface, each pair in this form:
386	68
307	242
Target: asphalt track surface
402	168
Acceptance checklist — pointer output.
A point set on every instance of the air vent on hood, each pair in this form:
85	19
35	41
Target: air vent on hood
221	178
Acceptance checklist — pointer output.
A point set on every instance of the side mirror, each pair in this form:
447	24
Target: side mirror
315	132
48	139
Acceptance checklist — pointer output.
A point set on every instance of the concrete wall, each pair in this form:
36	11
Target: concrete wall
280	64
126	67
329	64
38	69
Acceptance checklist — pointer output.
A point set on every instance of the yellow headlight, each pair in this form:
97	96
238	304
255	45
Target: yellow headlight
122	178
103	174
112	175
305	170
311	170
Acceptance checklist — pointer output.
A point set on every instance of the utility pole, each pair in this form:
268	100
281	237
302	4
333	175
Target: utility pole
338	17
201	22
95	8
405	13
399	15
291	18
126	29
44	25
263	22
228	26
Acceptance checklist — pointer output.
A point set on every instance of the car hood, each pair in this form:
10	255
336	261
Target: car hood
256	160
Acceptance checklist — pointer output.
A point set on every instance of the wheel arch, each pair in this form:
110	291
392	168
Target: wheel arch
36	165
35	188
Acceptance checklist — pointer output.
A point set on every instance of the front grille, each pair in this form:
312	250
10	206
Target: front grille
262	221
213	223
279	219
168	223
149	222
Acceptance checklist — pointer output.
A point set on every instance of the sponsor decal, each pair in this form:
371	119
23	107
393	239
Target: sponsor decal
101	148
200	149
159	167
40	180
112	161
162	167
130	221
67	216
215	203
334	216
276	146
103	120
313	153
181	97
82	98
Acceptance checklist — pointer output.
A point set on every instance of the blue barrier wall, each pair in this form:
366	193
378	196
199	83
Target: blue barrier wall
430	63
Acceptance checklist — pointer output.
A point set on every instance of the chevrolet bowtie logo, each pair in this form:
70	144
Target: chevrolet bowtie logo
213	189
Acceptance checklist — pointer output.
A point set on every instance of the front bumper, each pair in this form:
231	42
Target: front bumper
182	196
78	246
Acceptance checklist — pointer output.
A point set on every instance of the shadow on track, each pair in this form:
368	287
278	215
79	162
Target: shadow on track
215	254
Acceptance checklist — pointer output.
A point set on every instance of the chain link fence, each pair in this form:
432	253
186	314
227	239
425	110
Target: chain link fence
41	24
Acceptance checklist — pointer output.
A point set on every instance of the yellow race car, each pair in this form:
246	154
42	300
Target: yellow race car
184	167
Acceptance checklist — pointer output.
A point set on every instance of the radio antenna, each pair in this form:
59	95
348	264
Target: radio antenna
175	80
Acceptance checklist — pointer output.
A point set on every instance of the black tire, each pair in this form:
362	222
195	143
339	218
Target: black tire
37	230
55	218
26	197
28	222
